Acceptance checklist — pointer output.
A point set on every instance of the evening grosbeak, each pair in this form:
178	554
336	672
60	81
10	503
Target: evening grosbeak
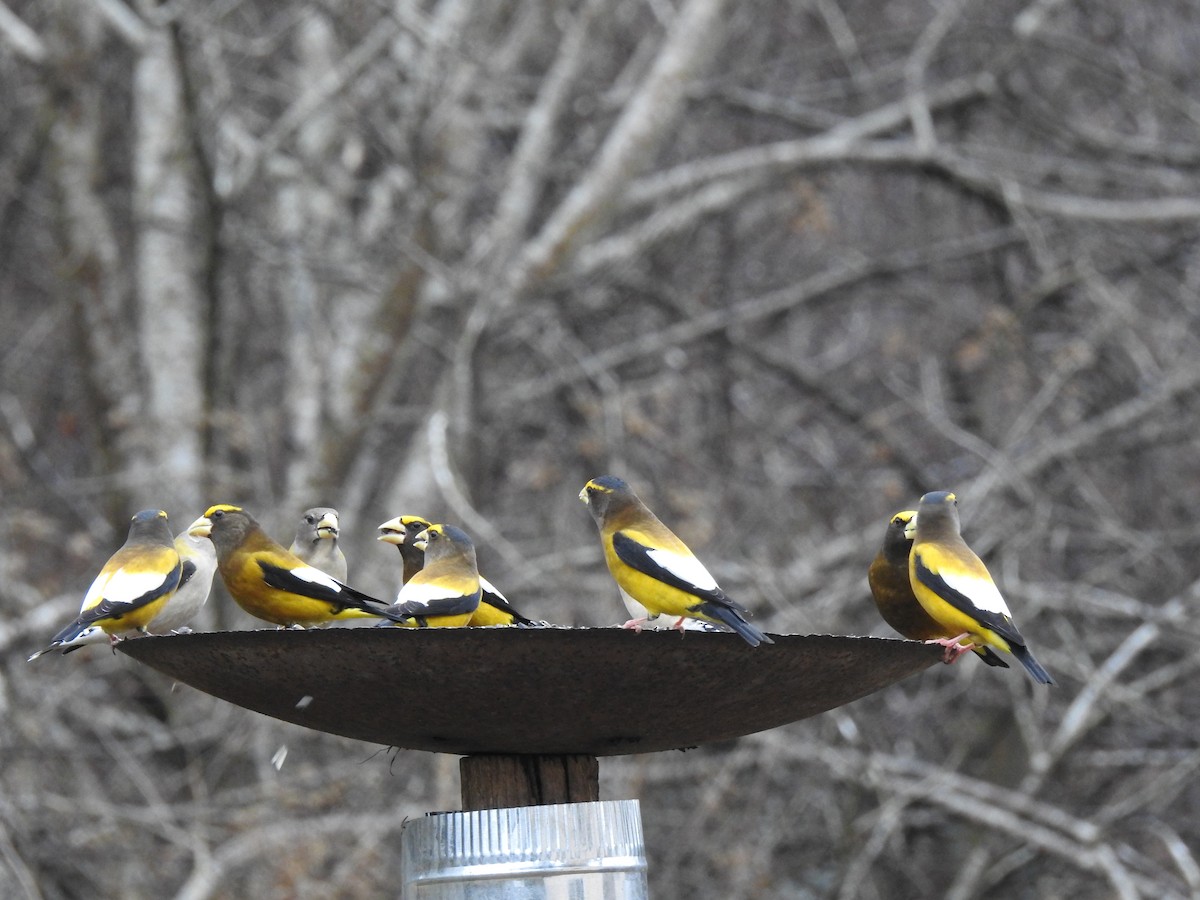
273	584
653	567
493	609
893	593
132	587
952	584
445	593
317	542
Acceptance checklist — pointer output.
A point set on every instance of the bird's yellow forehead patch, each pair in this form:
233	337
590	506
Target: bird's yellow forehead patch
222	507
593	487
406	521
903	517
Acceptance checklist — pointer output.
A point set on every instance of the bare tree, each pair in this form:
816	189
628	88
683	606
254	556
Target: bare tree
783	266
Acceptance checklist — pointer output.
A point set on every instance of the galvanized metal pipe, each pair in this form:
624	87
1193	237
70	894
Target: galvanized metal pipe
564	851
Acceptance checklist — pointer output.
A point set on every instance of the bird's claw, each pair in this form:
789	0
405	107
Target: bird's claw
953	648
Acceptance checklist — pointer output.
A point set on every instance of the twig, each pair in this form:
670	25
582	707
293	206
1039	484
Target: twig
759	308
23	39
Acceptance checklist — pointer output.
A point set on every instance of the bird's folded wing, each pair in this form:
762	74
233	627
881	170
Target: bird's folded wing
316	585
680	571
125	591
493	597
969	596
426	600
189	569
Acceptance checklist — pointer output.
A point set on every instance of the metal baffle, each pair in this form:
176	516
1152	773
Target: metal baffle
564	851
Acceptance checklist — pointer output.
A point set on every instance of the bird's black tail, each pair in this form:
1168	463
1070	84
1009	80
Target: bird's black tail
734	620
991	657
1021	652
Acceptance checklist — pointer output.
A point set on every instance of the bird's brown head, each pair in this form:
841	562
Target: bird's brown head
606	495
227	526
897	540
402	530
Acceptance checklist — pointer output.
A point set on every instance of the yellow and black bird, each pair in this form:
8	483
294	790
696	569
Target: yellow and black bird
131	588
445	592
953	585
493	609
272	583
653	567
316	542
892	590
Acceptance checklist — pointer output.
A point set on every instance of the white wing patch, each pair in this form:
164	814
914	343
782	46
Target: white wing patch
315	576
980	591
686	568
489	588
423	594
121	587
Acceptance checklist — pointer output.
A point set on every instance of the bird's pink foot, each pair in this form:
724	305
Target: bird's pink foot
953	648
635	625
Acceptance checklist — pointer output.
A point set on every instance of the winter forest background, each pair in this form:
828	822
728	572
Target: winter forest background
783	265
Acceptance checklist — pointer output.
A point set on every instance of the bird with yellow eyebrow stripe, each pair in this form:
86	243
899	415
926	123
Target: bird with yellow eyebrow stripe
892	591
272	583
493	609
953	585
445	592
653	567
131	588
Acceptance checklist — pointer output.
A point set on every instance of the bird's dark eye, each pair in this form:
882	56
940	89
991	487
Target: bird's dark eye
311	520
218	514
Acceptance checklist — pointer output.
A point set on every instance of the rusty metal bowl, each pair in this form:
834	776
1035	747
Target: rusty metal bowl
555	690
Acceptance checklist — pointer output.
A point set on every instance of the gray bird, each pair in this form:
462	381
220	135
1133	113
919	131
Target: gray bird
317	542
199	558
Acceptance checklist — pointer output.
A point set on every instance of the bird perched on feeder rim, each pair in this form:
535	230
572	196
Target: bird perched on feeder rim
493	609
445	592
316	541
892	591
953	585
132	586
653	567
272	583
199	559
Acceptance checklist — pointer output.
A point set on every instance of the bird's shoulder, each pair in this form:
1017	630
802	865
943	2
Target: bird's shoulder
949	557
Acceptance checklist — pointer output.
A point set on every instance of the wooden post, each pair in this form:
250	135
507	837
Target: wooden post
498	782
